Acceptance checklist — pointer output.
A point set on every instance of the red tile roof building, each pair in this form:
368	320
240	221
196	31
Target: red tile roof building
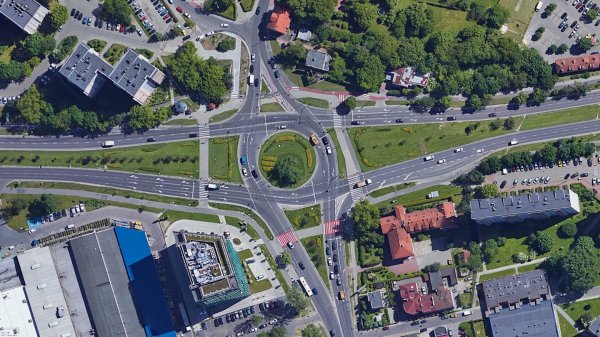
416	303
575	64
280	21
407	77
401	246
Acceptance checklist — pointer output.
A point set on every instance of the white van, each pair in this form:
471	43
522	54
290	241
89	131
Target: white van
428	158
108	143
467	313
212	187
251	79
71	226
538	6
513	142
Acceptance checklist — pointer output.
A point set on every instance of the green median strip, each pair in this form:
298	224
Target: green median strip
271	107
222	154
173	216
544	120
314	248
339	154
181	121
273	265
169	159
222	116
316	102
390	189
248	212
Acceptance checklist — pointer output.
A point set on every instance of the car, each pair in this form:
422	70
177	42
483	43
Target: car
253	57
244	171
480	150
254	174
273	321
256	82
73	11
584	174
262	326
228	319
224	25
333	245
301	265
338	282
331	276
460	149
84	21
77	209
80	16
204	326
261	307
216	322
290	245
399	120
493	114
325	140
328	150
577	27
151	139
335	258
423	330
329	261
212	32
251	69
336	269
277	74
503	184
327	250
187	15
257	10
441	161
315	291
567	176
451	118
179	9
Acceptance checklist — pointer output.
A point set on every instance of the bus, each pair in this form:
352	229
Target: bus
305	286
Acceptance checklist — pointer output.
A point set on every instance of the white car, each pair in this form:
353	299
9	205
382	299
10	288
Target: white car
329	262
460	149
331	276
441	161
480	150
139	31
328	150
281	127
212	32
224	25
244	171
260	277
187	15
253	57
273	321
254	329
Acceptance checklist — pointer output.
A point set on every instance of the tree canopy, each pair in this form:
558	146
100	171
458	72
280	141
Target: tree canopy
287	171
297	300
31	106
311	13
58	15
366	221
312	330
579	265
117	10
141	117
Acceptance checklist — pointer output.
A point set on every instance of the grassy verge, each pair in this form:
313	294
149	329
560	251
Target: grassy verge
287	145
385	145
275	47
327	86
339	154
566	329
316	102
19	220
181	121
241	224
97	44
577	309
315	250
256	286
271	107
174	159
519	19
145	52
396	102
222	116
114	53
228	13
543	120
246	211
529	267
491	276
264	88
365	103
222	153
306	217
278	274
106	190
247	5
390	189
420	197
173	216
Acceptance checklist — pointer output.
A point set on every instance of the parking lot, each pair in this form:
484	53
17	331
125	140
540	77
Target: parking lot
240	323
568	33
557	175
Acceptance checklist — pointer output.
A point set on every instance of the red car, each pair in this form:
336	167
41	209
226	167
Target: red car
166	17
179	9
122	29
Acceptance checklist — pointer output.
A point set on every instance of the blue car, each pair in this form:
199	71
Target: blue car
84	21
243	160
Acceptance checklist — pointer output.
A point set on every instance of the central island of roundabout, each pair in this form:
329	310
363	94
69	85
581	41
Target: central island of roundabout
287	159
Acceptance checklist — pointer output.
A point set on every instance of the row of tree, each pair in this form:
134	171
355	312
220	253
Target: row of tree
26	56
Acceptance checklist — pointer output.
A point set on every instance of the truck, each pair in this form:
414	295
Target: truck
108	143
363	183
251	79
539	6
314	139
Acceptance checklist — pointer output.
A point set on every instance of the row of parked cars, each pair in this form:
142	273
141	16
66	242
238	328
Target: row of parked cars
74	210
139	12
245	313
5	100
98	23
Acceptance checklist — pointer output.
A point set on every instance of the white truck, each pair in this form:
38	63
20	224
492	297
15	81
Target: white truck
108	143
363	183
251	79
539	6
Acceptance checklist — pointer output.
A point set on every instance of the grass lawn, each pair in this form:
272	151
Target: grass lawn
487	277
19	221
521	12
576	309
396	102
235	222
114	53
295	77
264	88
275	47
255	286
222	116
245	254
228	13
273	265
247	5
339	154
305	217
5	55
447	20
248	212
479	328
271	107
97	44
181	121
327	86
145	52
390	189
287	144
385	145
173	216
106	190
316	102
365	103
529	267
579	114
316	252
171	159
224	167
566	329
420	197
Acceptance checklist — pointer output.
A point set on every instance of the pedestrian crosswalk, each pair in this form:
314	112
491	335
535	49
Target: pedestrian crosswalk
337	120
355	193
203	131
235	95
332	227
285	237
202	193
286	106
341	97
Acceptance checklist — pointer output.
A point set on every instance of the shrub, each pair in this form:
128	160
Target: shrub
568	230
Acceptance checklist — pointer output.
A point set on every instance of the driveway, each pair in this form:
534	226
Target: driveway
432	251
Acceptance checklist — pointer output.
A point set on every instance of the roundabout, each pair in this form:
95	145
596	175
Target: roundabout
287	160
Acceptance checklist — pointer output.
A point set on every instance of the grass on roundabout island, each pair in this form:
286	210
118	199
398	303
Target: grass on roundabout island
287	145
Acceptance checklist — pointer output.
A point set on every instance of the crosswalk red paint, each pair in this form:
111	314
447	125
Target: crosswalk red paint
332	227
286	237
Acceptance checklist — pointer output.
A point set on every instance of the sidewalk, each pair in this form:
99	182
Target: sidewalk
352	165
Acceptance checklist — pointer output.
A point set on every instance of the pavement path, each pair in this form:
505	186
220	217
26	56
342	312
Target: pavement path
352	165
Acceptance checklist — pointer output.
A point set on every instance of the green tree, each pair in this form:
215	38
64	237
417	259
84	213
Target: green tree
337	69
585	44
568	230
350	102
520	99
549	9
312	330
423	104
366	221
363	15
256	319
141	117
476	11
287	171
496	16
32	106
278	331
415	20
552	49
509	123
297	300
538	33
226	45
562	48
11	71
591	15
48	203
538	96
547	154
587	318
541	242
310	13
486	191
285	258
368	71
58	15
293	55
218	5
444	102
36	44
117	10
474	102
490	249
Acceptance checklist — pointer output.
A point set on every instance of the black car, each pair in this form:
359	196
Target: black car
262	326
336	269
413	323
335	258
255	174
204	326
339	282
151	139
256	82
333	245
301	265
228	318
252	69
355	123
276	73
503	184
331	333
399	120
257	10
325	140
80	16
585	174
423	330
193	135
261	307
451	118
216	323
72	11
252	309
493	114
327	251
220	320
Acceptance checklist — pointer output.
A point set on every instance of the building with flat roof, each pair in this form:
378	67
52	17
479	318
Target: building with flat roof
436	279
317	60
214	271
27	14
416	303
376	299
538	205
407	77
531	320
134	74
515	290
46	300
15	316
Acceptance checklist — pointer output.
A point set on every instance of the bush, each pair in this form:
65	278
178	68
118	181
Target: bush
568	230
226	44
65	47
